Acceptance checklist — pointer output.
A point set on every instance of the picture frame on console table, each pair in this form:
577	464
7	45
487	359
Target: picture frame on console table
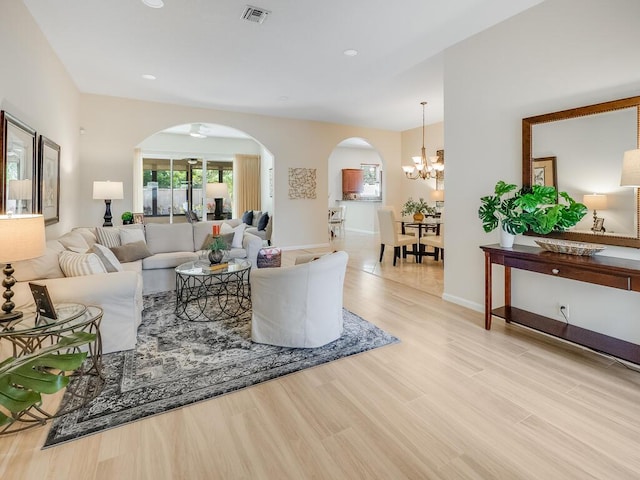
49	172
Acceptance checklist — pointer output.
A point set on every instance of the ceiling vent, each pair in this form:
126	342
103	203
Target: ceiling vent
255	14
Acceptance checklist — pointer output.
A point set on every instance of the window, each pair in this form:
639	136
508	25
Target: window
372	181
173	187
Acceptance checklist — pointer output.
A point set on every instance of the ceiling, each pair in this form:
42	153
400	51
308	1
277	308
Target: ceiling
292	65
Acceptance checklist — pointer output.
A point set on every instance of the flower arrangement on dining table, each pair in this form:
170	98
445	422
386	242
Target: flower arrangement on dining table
418	208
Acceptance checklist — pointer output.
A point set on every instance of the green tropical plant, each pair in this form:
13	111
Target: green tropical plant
127	217
536	208
24	379
412	207
218	243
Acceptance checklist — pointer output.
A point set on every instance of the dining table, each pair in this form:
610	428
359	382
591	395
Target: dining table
428	224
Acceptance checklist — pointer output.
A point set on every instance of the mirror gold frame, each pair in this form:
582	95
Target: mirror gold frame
527	163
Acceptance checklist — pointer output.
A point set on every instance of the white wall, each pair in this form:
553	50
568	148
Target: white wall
557	55
35	87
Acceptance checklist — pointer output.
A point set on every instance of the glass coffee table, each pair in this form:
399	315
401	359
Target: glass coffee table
212	292
33	332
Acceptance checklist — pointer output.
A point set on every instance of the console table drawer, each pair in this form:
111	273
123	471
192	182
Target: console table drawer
574	273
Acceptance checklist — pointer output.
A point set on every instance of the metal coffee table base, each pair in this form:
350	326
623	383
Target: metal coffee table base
212	297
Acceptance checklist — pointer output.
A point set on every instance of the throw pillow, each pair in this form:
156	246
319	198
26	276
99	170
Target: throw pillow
74	242
264	220
269	258
109	237
238	233
131	235
131	252
247	217
107	257
78	264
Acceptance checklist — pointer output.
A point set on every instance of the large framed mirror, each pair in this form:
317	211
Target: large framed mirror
18	176
581	150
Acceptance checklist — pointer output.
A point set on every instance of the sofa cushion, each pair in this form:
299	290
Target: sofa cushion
89	234
256	216
172	237
131	252
45	266
168	260
78	264
108	236
131	235
247	217
74	242
107	257
264	220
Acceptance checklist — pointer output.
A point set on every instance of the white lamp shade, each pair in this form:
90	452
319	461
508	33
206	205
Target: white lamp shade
437	195
630	169
595	201
217	190
21	237
20	189
107	190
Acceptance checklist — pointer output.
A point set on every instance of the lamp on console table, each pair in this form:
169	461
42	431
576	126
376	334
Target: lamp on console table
107	191
21	238
217	191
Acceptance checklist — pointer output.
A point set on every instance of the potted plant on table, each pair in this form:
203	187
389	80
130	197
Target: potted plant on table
418	209
534	208
127	218
217	247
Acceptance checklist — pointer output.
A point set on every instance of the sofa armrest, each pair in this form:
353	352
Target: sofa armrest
252	245
119	294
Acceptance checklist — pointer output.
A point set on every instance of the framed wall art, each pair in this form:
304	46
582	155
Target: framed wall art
19	185
544	172
49	168
302	183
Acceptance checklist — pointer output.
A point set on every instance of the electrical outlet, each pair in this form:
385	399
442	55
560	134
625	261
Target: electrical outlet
563	309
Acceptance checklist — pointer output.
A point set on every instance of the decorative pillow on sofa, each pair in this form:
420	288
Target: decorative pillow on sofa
74	242
107	257
269	257
264	220
131	252
238	232
247	217
108	236
131	235
78	264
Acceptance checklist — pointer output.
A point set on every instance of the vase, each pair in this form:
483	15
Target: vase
506	239
418	217
215	256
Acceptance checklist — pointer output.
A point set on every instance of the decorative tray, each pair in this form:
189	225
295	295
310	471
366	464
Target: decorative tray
572	248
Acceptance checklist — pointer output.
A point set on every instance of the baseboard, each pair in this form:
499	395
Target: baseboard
306	247
478	307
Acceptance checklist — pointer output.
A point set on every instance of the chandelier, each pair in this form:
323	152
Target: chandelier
424	167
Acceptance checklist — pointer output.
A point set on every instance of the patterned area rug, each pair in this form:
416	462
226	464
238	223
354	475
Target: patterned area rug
179	362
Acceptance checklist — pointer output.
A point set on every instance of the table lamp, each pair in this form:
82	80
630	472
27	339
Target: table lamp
217	191
21	238
107	191
595	202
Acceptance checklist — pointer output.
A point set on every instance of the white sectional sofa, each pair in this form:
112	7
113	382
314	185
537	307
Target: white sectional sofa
119	293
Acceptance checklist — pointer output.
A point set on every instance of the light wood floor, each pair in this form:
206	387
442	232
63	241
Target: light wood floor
451	401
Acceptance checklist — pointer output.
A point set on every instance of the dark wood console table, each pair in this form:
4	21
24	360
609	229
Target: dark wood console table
601	270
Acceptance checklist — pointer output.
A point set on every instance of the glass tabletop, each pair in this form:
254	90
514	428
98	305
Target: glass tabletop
68	315
202	267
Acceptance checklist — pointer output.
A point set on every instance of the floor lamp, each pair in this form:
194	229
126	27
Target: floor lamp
21	238
107	191
217	191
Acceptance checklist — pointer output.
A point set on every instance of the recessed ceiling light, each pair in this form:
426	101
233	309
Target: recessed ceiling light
153	3
350	52
147	76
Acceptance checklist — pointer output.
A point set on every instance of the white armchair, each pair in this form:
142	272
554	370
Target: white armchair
301	305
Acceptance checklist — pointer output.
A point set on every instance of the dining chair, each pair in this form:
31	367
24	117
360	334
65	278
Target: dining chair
336	220
435	241
389	234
